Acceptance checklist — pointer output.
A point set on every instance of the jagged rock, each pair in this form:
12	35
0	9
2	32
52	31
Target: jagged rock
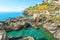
51	27
28	38
57	34
3	35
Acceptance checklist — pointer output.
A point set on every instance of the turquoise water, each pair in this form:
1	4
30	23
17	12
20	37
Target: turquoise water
38	34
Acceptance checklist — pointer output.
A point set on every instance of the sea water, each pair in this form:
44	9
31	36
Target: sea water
6	15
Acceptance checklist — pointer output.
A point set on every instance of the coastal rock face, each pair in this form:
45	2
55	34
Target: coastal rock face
13	24
51	27
57	34
1	25
3	35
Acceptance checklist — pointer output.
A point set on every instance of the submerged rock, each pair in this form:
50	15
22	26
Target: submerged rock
28	38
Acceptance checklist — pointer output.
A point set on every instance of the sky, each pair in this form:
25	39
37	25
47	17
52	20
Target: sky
16	5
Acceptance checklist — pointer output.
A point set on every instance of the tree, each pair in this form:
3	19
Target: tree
43	2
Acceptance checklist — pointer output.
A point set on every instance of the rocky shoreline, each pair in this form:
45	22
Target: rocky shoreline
23	22
44	18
